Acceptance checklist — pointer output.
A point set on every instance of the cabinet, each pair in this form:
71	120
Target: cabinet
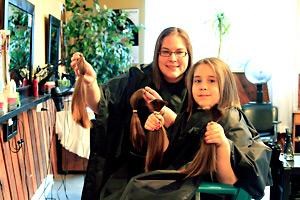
296	131
24	167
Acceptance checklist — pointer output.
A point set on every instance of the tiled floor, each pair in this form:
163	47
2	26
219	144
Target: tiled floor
66	187
69	187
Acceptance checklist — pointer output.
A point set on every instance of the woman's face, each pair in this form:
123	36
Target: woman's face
173	58
205	87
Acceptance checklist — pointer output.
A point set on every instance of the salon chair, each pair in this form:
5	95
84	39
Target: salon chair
264	117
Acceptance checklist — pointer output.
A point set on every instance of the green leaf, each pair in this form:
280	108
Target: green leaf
102	35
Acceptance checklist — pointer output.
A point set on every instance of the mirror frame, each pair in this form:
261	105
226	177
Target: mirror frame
2	11
53	23
28	8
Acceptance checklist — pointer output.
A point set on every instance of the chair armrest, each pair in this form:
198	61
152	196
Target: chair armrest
220	188
276	122
217	188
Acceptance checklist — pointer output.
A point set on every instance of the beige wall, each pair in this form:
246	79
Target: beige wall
42	10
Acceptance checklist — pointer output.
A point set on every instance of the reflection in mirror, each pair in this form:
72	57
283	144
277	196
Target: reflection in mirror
53	42
19	20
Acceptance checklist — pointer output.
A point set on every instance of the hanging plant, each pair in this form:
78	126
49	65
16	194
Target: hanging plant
104	36
222	28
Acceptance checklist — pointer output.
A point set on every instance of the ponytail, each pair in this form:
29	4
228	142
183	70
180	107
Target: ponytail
78	106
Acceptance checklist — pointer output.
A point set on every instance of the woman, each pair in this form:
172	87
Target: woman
164	77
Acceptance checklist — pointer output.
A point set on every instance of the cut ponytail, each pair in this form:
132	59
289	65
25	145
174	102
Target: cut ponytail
78	106
155	139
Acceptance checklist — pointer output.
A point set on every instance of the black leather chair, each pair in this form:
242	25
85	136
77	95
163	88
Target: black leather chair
264	117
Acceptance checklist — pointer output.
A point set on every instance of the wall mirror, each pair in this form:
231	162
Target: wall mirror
53	42
19	19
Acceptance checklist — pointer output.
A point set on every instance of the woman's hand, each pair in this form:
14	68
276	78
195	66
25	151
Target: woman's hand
82	68
215	135
150	94
154	122
168	114
88	81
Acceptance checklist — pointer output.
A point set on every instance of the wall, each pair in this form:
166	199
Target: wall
42	11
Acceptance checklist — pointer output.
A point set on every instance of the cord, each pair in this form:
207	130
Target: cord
63	178
1	189
17	147
18	144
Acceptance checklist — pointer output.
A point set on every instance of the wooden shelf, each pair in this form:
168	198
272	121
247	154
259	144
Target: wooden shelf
26	104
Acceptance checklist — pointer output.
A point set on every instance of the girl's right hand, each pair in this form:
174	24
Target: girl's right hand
154	121
82	68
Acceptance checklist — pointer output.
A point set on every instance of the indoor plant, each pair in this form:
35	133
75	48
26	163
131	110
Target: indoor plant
222	29
103	35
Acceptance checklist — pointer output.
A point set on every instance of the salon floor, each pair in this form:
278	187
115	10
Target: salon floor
66	187
69	187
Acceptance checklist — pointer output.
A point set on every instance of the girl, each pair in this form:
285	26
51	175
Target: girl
213	120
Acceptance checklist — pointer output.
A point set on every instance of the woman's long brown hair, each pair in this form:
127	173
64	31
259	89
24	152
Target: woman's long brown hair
78	106
155	139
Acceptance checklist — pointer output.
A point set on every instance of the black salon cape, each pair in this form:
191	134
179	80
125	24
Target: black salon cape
250	158
111	155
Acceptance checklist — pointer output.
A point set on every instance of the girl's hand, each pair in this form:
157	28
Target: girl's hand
82	68
154	121
215	134
150	94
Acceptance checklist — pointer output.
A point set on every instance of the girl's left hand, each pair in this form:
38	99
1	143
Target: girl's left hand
215	134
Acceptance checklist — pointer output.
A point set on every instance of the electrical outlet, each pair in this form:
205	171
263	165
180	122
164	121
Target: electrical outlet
10	128
39	107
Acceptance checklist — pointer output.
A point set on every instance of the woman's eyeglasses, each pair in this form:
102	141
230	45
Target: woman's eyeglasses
178	54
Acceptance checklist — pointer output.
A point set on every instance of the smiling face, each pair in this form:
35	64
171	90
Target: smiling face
173	66
205	87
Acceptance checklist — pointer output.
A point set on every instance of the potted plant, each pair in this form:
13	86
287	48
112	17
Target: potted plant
103	35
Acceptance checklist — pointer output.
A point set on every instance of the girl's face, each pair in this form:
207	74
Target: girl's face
173	58
205	87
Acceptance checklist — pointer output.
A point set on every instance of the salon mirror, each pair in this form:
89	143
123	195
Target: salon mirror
19	19
53	42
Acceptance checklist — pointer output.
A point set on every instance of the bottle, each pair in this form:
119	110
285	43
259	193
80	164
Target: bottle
35	87
2	101
12	98
288	146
